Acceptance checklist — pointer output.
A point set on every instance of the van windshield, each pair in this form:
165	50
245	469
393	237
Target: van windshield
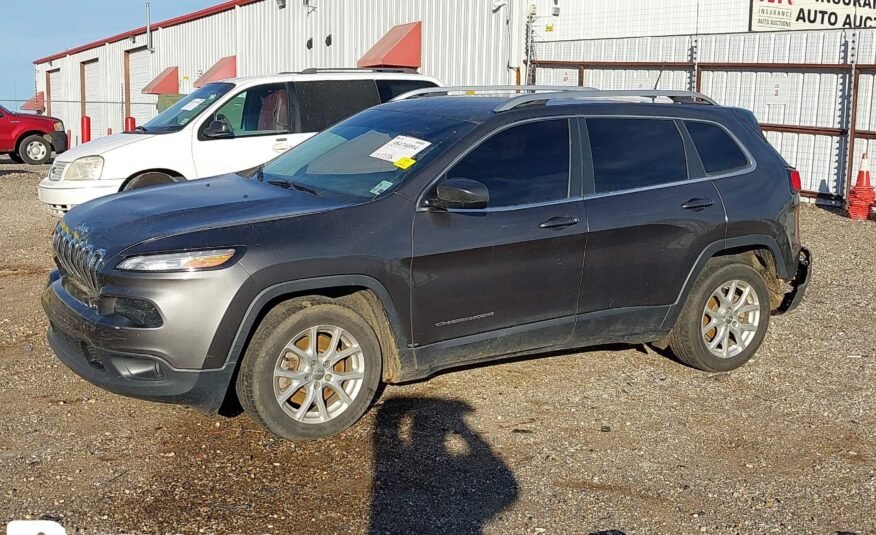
365	156
180	114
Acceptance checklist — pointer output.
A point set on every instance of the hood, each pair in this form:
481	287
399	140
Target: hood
118	222
102	145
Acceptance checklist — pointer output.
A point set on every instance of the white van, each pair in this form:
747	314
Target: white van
223	127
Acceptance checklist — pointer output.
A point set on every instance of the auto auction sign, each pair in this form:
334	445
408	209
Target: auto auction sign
782	15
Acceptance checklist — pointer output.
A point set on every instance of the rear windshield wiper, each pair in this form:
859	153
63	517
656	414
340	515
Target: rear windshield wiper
285	184
141	130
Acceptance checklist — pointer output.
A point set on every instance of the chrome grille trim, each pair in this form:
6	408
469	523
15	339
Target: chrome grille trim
57	171
78	259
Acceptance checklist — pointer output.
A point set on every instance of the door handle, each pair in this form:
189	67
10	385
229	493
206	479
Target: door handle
698	204
559	222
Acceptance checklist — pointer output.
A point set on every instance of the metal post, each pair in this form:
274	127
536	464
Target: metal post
149	27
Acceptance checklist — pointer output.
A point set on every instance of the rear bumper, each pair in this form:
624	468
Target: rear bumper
800	282
59	141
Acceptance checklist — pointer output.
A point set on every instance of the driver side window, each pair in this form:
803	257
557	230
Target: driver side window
525	164
261	110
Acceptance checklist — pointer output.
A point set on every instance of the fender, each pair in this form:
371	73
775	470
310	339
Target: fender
247	325
757	240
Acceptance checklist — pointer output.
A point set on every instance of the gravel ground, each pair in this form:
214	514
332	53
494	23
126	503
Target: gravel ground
607	439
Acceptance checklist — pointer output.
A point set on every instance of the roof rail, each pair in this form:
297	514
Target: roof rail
544	93
316	70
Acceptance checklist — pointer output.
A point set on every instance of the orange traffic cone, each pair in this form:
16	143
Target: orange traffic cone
862	195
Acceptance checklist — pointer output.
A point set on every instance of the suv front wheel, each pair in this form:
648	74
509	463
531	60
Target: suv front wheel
724	319
311	370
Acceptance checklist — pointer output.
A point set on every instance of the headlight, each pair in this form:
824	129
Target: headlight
59	126
88	168
188	261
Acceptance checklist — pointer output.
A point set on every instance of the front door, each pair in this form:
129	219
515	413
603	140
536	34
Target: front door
260	124
648	220
7	144
505	278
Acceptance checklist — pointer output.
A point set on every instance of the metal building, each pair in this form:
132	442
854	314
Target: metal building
812	89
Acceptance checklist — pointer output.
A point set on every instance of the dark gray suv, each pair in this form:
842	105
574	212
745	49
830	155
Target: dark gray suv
435	231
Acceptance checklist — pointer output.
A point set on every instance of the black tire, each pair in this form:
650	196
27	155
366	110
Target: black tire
152	178
30	141
256	382
15	157
687	337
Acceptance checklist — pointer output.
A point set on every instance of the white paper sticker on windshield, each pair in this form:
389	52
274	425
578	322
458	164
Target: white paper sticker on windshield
400	147
193	104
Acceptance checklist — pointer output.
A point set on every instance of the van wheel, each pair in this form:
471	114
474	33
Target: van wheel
311	370
724	319
15	157
152	178
34	150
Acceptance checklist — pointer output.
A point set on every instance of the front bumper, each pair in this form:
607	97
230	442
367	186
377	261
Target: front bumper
58	141
155	364
800	283
60	196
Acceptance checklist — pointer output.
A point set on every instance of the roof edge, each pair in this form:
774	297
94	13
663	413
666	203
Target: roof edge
182	19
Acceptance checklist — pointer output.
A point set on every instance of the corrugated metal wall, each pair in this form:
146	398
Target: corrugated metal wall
464	42
602	19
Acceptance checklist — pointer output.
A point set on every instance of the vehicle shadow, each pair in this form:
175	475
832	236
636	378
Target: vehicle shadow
432	473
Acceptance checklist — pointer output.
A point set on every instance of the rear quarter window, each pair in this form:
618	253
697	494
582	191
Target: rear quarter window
718	151
324	103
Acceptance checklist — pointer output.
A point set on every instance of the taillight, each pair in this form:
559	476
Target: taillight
794	178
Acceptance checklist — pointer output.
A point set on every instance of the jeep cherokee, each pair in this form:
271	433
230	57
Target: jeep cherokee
438	230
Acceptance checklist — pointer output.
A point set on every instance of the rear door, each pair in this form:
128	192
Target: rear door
323	103
512	269
651	213
261	122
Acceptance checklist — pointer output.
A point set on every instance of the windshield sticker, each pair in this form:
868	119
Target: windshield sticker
404	163
193	104
400	147
380	188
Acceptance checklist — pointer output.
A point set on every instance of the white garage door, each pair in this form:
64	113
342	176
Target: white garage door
56	93
94	107
139	75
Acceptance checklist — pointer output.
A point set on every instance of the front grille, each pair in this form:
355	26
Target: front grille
77	258
57	171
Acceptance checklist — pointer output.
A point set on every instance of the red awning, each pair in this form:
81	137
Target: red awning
400	47
36	103
166	83
222	69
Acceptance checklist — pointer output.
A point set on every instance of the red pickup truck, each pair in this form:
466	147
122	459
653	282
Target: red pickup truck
29	138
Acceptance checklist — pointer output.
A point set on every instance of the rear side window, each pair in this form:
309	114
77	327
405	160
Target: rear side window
524	164
389	89
635	153
324	103
718	151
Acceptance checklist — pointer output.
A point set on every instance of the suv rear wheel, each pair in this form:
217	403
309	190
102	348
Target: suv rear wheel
311	370
724	319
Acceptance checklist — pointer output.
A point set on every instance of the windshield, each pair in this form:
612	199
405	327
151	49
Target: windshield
365	156
180	114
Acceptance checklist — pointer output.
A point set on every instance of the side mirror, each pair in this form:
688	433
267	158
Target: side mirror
461	193
218	129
